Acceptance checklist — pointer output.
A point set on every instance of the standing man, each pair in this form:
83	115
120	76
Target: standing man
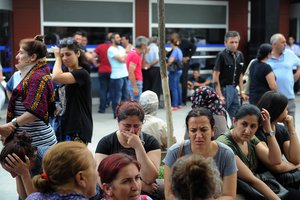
134	66
228	73
282	62
151	68
188	49
119	74
125	41
104	70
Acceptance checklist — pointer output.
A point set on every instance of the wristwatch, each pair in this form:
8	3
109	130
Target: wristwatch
271	133
15	123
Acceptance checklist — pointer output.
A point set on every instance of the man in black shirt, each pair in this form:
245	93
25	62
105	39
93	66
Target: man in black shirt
228	73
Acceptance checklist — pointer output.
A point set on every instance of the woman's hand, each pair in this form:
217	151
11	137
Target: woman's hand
289	122
16	165
56	51
266	121
7	129
133	140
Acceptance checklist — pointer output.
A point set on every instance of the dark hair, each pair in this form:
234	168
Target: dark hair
127	37
193	178
113	35
71	44
274	102
112	164
248	109
199	112
19	145
263	51
35	46
129	108
78	33
175	42
232	34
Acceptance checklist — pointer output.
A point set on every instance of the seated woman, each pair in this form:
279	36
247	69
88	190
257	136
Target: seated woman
206	97
286	172
129	139
248	149
22	161
152	124
200	123
121	178
194	177
69	173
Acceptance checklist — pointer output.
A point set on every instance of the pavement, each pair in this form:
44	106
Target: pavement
105	124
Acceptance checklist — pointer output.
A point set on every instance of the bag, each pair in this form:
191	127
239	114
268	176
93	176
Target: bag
251	193
289	179
175	66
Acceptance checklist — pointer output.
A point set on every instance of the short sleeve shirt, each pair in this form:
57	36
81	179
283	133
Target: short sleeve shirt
118	69
224	159
230	68
110	144
135	58
101	51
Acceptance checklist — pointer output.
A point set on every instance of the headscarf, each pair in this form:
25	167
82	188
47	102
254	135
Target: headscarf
149	102
206	97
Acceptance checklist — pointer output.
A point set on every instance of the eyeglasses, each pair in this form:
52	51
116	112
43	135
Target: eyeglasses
66	41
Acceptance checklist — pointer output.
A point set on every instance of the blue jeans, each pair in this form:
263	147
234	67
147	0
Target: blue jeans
130	88
118	92
174	83
104	81
232	102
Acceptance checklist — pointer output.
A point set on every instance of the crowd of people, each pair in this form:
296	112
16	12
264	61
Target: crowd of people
248	151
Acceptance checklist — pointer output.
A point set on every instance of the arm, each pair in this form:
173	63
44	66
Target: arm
167	183
271	81
291	148
57	74
297	74
99	157
120	59
229	187
20	188
131	77
245	174
216	75
241	83
150	161
271	154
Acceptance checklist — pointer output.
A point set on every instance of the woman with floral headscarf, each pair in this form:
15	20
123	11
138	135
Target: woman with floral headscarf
206	97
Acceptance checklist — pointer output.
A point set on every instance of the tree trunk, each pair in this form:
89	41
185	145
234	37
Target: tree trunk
164	70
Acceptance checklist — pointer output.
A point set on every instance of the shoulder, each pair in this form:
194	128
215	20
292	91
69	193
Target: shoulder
35	196
109	137
224	148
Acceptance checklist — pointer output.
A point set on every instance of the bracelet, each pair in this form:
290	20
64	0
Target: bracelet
15	123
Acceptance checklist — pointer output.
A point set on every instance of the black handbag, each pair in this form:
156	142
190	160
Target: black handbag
175	66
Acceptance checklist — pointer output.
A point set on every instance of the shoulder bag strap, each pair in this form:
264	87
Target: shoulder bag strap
180	149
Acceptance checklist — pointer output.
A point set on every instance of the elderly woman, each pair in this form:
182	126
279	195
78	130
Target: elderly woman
152	124
69	173
200	123
121	178
32	100
129	139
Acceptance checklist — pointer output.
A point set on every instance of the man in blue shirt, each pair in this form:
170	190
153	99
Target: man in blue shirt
282	62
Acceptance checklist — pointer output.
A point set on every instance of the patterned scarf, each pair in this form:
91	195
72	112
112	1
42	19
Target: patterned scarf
206	97
36	91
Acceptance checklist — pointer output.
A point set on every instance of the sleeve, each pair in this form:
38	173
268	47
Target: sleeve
81	76
10	84
219	62
230	166
111	53
171	156
174	54
133	58
296	60
156	53
150	143
267	70
104	145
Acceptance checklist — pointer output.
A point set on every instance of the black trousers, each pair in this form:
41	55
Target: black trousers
184	80
152	80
